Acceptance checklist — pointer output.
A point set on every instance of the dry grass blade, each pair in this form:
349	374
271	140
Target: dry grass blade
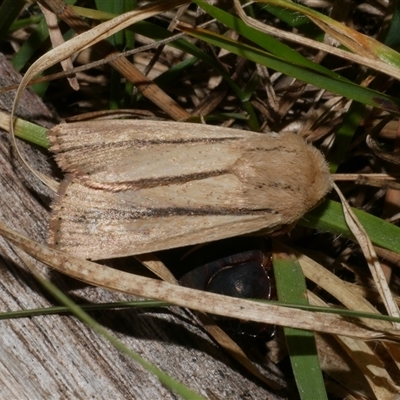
232	348
377	180
391	157
157	267
367	59
371	257
57	39
339	289
368	362
267	313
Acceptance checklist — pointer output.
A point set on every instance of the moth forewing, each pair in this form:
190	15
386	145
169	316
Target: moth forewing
134	186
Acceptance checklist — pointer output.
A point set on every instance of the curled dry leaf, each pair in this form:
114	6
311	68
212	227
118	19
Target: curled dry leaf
393	157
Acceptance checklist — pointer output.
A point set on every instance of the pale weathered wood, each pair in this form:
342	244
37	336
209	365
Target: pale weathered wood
54	357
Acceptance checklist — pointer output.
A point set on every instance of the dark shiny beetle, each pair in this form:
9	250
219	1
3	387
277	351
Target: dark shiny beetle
244	275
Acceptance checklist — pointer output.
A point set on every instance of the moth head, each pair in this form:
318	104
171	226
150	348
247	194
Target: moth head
282	173
320	178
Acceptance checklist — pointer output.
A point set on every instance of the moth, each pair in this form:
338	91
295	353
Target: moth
134	187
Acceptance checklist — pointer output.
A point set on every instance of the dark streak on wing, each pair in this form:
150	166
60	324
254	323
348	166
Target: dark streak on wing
116	214
147	183
169	180
276	148
283	186
163	212
185	141
123	144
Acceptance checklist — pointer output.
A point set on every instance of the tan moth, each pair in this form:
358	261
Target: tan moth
135	186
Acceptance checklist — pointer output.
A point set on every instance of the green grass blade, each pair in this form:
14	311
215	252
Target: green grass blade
392	38
121	40
291	288
25	130
345	135
263	40
339	86
9	11
329	217
31	45
32	133
86	307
